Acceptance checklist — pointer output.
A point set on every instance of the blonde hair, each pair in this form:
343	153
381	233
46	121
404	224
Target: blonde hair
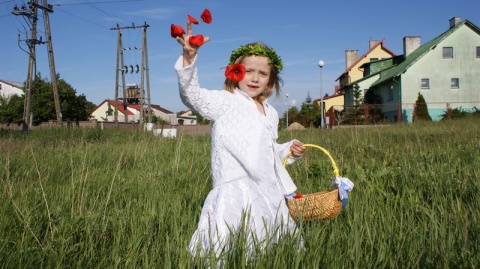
274	82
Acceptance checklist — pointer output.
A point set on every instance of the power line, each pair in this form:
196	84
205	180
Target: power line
101	10
6	1
85	20
104	2
93	6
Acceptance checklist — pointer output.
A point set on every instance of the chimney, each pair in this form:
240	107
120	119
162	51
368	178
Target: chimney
454	21
350	57
410	44
372	43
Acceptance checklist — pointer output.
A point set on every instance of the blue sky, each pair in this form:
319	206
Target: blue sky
302	32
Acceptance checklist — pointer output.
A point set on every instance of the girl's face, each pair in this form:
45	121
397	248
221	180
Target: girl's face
256	77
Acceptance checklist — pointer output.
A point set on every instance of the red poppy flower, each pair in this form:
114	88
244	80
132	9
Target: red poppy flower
196	40
192	19
298	196
235	72
176	31
206	16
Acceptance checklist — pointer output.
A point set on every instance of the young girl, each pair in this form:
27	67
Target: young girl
250	184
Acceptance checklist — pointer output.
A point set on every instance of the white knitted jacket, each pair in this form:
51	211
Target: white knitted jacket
236	130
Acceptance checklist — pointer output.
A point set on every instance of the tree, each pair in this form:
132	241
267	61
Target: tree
375	114
73	107
315	114
355	114
421	110
305	112
11	109
308	115
459	112
293	116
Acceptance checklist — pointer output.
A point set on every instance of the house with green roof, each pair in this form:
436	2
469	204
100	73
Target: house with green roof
371	73
353	62
445	70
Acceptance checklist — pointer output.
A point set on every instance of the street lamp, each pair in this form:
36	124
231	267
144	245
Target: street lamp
286	95
321	64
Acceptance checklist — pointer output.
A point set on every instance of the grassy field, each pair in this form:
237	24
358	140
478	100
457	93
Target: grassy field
88	198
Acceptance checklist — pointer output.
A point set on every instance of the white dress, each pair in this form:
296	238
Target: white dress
247	173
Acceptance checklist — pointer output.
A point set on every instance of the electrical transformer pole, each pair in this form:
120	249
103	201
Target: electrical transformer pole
121	67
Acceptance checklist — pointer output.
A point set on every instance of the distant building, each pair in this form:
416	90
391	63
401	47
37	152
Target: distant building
371	73
445	70
187	118
9	88
331	102
354	71
105	112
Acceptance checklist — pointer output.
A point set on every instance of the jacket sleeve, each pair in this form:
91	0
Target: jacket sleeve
210	104
283	151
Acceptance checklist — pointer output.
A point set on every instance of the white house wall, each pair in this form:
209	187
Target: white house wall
99	114
170	118
8	90
464	65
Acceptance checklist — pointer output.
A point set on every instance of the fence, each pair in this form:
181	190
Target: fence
367	114
180	129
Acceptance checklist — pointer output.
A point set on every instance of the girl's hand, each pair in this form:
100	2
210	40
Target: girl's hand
189	50
297	149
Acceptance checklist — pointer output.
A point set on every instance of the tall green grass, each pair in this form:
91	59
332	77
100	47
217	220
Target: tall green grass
87	198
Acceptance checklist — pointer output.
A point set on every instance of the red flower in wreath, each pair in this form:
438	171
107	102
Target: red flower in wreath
196	40
176	31
206	16
192	19
235	72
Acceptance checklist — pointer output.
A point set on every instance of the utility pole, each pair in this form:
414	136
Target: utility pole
120	62
145	70
32	16
53	73
121	67
31	13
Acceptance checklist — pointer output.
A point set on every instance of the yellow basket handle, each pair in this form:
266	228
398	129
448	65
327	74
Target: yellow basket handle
334	165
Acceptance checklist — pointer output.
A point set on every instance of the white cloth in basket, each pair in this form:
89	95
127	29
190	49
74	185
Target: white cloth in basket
345	185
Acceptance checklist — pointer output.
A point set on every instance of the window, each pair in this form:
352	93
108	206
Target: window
478	52
390	93
425	83
373	59
447	52
455	84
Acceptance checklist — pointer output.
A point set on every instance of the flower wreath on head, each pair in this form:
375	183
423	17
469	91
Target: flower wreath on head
236	73
259	50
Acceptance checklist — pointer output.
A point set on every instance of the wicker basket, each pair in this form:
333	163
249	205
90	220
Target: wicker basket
319	205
